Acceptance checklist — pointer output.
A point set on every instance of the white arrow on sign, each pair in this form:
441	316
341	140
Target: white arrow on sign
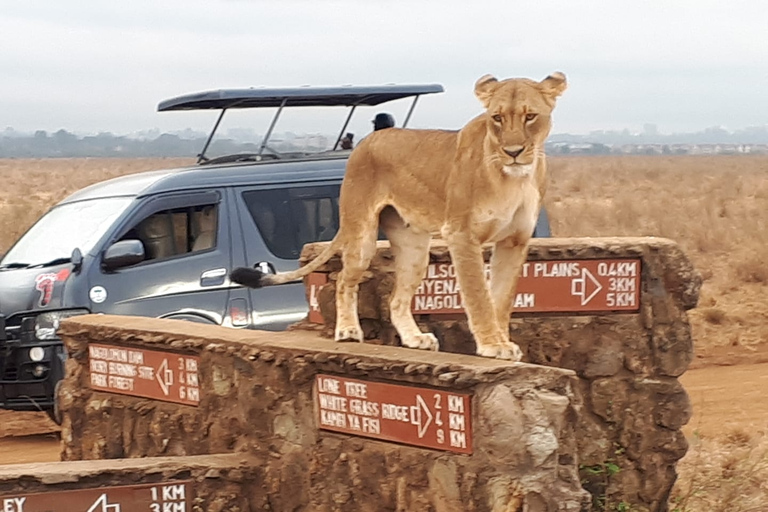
101	505
165	377
416	416
579	286
314	290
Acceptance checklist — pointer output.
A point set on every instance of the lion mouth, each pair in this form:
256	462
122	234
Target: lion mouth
517	170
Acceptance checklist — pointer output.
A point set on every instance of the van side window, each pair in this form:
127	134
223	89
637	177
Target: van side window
289	218
178	231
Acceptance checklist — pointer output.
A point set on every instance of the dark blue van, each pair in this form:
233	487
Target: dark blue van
162	243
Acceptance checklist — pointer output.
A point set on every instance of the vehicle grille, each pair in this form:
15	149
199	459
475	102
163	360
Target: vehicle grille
29	402
11	372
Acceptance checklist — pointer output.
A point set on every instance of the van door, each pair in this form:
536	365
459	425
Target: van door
276	224
184	272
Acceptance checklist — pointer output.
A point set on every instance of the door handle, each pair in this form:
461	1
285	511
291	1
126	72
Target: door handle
213	277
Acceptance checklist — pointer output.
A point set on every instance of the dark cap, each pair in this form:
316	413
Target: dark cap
383	120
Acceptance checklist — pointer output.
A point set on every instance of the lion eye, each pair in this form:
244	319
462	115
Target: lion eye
496	118
531	117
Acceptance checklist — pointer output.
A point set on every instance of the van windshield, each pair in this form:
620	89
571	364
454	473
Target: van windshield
64	228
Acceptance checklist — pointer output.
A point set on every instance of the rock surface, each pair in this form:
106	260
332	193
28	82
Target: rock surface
628	434
257	396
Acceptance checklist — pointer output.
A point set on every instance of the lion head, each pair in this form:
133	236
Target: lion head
518	119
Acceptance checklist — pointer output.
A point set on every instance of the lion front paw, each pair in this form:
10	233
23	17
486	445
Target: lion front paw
507	350
423	341
349	333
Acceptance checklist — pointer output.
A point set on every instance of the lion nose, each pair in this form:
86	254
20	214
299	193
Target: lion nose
513	151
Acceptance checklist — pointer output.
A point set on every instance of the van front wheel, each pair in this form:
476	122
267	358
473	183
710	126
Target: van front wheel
55	413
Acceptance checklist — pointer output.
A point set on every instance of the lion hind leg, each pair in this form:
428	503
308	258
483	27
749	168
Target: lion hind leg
355	258
411	251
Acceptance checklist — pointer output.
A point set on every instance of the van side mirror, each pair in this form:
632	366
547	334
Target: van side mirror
77	260
123	254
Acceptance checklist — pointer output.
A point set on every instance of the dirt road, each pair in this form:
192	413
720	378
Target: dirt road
27	437
724	398
37	448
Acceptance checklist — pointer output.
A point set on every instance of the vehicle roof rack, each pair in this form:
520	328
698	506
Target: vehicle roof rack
296	97
263	97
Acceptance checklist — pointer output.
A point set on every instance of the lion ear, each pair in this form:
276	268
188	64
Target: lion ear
484	88
554	85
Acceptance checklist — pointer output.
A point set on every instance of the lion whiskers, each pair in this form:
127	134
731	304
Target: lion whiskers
493	160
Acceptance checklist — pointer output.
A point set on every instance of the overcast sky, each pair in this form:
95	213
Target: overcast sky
95	65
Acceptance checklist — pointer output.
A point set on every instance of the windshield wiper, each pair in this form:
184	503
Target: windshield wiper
54	262
57	261
240	157
13	265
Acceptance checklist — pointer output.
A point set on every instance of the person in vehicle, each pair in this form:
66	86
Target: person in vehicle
383	120
346	142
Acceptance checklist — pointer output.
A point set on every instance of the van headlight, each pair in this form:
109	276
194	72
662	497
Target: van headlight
36	354
46	324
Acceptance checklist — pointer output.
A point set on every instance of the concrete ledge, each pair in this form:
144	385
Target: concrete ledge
212	483
440	369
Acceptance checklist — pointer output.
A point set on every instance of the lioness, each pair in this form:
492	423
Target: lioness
480	185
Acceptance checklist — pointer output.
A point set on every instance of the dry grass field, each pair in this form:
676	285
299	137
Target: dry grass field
31	186
716	208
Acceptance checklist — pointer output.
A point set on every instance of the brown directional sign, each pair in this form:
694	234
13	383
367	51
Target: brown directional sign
162	497
561	286
315	281
565	286
412	415
145	373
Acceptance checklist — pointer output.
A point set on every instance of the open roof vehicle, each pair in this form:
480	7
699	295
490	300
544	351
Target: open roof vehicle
351	97
162	243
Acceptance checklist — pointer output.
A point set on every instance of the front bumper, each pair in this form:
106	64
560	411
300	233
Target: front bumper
20	390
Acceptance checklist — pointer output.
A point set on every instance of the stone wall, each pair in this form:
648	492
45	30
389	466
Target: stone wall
259	395
628	363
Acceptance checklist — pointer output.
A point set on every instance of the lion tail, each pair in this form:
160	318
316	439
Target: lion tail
255	278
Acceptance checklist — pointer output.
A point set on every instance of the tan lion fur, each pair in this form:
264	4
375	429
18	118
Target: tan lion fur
480	185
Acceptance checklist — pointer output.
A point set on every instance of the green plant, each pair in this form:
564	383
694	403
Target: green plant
596	479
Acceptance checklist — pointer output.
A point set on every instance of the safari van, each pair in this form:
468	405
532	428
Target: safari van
162	243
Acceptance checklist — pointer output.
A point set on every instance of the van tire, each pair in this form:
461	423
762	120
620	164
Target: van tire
55	413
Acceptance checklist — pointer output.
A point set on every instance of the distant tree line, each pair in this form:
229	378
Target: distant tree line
65	144
62	143
713	135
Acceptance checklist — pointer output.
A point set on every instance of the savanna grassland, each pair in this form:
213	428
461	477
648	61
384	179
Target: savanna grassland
715	207
28	187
